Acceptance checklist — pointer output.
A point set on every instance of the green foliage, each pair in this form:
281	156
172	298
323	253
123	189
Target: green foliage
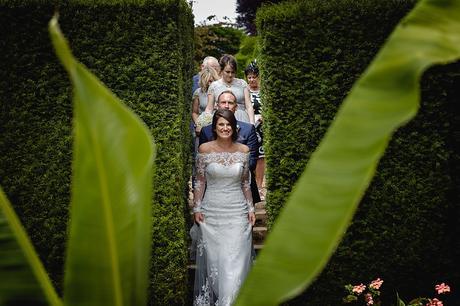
144	54
23	280
249	50
216	40
108	254
110	219
19	3
311	54
309	65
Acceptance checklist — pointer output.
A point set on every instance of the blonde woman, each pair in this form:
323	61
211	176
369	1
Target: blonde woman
200	97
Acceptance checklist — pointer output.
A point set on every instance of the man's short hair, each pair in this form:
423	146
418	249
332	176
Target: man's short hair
209	58
226	91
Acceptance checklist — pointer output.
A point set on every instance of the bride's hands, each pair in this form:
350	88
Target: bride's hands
199	217
252	218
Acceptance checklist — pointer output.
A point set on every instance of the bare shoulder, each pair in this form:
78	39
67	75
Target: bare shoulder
206	147
243	148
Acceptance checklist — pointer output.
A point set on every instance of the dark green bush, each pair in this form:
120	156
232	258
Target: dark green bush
216	40
404	230
144	53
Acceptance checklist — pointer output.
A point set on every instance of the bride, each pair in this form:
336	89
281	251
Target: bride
224	214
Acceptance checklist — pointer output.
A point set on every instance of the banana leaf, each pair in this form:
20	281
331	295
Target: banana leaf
326	195
399	302
23	280
109	244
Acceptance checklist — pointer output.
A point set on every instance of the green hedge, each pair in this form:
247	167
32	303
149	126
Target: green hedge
406	228
248	52
144	53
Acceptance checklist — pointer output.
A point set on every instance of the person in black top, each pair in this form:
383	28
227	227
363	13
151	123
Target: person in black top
252	75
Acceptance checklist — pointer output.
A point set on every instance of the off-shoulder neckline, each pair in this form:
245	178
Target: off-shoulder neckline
236	152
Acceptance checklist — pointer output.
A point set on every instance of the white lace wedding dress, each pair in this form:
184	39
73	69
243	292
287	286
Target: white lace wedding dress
224	239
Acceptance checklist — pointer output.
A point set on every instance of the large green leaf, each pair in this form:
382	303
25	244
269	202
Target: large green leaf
23	280
399	302
109	244
324	199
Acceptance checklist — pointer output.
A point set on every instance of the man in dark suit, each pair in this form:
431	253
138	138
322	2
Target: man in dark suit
246	135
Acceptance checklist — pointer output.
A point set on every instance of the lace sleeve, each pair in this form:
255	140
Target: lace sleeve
246	183
200	182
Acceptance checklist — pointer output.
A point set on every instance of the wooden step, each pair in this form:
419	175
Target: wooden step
260	211
259	229
261	217
191	266
260	205
258	234
258	246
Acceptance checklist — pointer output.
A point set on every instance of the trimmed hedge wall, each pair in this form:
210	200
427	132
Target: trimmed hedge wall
406	228
143	51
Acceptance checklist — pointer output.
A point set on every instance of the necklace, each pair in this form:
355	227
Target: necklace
228	85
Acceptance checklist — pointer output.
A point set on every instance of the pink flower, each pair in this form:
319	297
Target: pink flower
434	302
359	288
375	284
442	288
368	298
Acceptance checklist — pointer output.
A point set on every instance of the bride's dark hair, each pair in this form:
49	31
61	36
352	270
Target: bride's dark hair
227	115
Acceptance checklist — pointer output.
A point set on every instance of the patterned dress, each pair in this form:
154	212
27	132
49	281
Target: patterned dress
257	106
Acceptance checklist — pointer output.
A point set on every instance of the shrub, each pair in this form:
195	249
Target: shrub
311	54
143	51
